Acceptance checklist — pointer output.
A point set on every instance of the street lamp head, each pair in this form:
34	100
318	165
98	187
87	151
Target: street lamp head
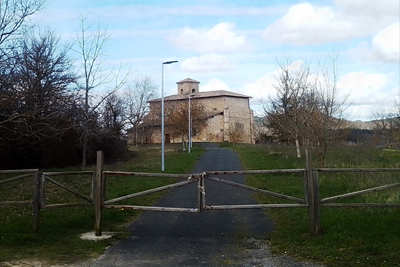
170	62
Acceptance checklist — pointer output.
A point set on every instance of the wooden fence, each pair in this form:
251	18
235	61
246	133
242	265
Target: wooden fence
39	180
49	177
311	200
35	176
310	176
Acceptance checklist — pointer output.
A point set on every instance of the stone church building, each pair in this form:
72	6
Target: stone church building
227	116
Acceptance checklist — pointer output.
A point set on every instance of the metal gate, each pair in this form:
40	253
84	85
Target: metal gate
200	179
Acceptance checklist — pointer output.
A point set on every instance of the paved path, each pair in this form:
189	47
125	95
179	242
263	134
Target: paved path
209	238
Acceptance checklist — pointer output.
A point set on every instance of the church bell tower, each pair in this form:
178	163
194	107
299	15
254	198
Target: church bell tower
188	86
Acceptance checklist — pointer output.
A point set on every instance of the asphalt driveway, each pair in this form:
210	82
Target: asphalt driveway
209	238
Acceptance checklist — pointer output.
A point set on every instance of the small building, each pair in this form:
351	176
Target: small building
226	115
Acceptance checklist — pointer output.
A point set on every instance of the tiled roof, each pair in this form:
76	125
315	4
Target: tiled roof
188	80
209	94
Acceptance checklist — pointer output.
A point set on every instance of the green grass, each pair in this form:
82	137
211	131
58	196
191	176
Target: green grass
58	239
351	236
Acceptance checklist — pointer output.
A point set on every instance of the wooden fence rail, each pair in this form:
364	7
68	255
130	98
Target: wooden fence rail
310	176
38	195
46	176
35	202
101	203
311	201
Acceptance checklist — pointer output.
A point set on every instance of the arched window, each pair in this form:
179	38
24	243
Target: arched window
193	90
181	91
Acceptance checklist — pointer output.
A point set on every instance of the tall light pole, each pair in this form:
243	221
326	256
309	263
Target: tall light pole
190	127
162	111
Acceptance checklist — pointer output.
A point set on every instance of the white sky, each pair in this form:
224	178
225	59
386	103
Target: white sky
235	45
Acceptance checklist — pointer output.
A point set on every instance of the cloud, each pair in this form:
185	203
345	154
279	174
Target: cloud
213	85
386	44
207	63
202	10
220	38
383	47
363	88
261	89
383	10
365	92
305	24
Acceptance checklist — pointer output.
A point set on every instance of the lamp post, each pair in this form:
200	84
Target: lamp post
162	111
190	127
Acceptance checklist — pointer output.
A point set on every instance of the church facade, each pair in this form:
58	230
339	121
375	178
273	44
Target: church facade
225	116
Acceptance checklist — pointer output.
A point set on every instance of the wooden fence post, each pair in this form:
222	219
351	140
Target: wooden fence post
36	200
317	204
200	192
92	186
98	192
42	191
312	197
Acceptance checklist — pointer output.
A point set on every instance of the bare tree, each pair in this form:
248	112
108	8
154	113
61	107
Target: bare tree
91	48
323	110
387	128
37	92
113	114
306	108
177	118
37	106
13	20
387	124
284	113
14	13
111	137
136	100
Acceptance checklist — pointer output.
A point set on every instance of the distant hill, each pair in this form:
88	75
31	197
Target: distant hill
362	125
370	125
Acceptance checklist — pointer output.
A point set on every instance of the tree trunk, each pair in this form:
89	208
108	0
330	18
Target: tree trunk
85	136
84	146
183	144
323	155
298	148
296	140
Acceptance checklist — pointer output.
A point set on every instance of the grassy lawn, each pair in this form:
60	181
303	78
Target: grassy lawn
351	236
57	240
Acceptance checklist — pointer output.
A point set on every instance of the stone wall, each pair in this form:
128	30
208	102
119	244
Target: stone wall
225	113
234	111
